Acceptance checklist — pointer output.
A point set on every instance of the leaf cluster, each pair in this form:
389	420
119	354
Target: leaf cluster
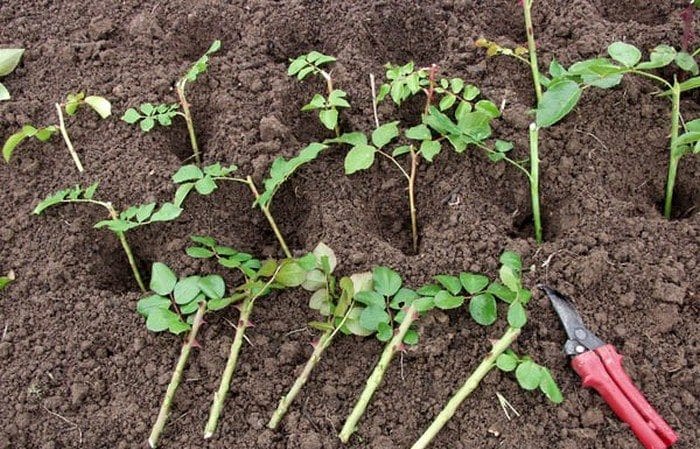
175	301
99	104
203	180
9	60
200	66
143	214
530	375
41	134
73	194
207	248
328	107
304	65
148	115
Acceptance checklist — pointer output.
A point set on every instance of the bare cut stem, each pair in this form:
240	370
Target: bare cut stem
220	395
412	199
532	48
469	386
180	89
177	376
674	156
375	379
535	181
66	138
270	219
323	343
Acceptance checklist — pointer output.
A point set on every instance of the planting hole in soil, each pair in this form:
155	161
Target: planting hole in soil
414	140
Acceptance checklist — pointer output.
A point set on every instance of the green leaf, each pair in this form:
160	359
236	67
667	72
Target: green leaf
488	108
90	191
420	132
186	289
411	338
401	150
502	292
371	316
337	99
360	157
516	315
322	250
686	62
131	116
296	65
199	253
661	56
444	300
160	320
321	301
423	304
429	149
404	297
163	279
690	84
556	70
4	93
549	387
626	54
193	305
451	283
385	134
9	59
203	240
447	102
473	283
147	124
167	212
529	375
205	186
429	290
148	303
482	309
557	102
187	173
182	192
329	118
100	105
386	281
456	84
384	332
506	362
317	102
370	298
11	143
213	286
440	122
503	146
291	274
144	211
353	139
178	326
509	278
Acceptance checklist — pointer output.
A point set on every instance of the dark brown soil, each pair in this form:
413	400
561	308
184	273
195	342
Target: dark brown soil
73	345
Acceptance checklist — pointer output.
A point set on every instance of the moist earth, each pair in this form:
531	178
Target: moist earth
79	369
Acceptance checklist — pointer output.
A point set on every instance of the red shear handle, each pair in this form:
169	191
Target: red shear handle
594	375
613	364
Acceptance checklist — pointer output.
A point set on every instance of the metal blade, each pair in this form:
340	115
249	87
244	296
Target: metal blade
580	337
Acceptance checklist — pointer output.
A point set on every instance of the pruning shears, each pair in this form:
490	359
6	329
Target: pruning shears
600	367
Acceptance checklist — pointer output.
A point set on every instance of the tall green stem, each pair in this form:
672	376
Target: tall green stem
266	211
674	156
532	48
180	88
469	386
535	180
323	343
177	376
375	379
66	138
412	199
220	395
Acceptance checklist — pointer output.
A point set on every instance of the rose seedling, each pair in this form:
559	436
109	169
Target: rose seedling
177	306
205	181
118	222
148	115
9	60
260	279
482	307
71	105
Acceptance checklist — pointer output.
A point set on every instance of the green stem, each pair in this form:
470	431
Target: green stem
469	386
177	376
323	343
412	199
532	48
535	180
180	88
375	379
266	211
66	138
674	156
127	249
220	395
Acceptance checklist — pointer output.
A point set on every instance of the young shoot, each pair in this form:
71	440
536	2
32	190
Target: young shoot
483	309
177	306
259	280
7	279
119	222
148	115
334	99
9	60
71	104
205	181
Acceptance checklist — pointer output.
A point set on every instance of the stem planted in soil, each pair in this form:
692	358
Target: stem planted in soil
180	88
323	343
177	377
127	249
535	181
220	395
270	218
375	379
469	386
412	199
66	138
674	156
